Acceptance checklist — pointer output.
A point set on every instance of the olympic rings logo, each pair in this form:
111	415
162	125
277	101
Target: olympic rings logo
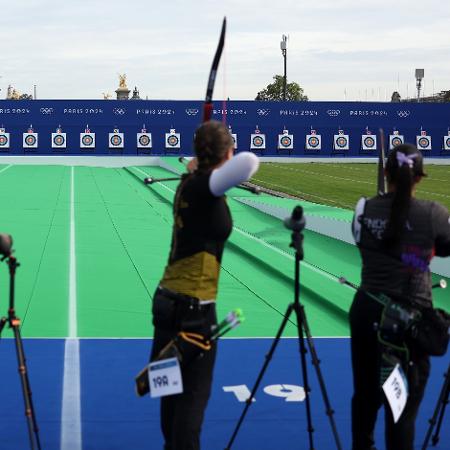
191	111
119	111
403	114
262	112
333	112
46	110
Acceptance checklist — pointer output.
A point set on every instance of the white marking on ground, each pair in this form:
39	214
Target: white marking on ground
5	168
71	403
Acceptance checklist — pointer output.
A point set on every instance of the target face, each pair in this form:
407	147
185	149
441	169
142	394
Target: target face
234	136
313	142
30	140
4	140
341	142
423	142
258	141
144	140
446	142
172	140
285	141
58	140
369	142
396	141
87	140
116	140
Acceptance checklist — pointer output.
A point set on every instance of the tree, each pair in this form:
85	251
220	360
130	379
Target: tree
274	91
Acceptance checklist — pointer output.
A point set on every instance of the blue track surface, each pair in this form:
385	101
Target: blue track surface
114	418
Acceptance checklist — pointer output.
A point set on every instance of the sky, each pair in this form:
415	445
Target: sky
337	49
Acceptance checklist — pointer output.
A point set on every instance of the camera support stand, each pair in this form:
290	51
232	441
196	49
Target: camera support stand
14	322
442	403
296	223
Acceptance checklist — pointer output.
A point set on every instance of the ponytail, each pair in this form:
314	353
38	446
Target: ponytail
403	166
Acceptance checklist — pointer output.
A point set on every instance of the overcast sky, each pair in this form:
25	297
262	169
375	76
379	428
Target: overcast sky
337	49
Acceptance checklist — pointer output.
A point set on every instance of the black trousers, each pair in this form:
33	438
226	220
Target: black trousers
368	396
182	414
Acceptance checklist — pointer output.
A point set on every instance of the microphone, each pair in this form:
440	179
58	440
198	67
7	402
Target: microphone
296	222
6	242
148	180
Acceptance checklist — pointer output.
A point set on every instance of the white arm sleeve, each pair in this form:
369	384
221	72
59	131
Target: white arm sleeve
235	171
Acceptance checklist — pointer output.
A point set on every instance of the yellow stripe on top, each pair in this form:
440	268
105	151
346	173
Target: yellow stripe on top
196	275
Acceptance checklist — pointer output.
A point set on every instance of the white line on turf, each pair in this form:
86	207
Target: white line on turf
71	405
5	168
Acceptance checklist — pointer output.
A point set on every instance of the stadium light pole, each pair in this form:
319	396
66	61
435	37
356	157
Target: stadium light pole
420	73
283	47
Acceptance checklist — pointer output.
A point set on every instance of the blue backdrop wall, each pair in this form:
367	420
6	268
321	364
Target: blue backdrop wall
243	116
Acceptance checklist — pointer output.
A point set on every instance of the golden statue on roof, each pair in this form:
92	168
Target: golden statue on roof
123	80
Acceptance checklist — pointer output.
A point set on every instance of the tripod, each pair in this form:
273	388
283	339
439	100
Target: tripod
442	403
296	223
14	323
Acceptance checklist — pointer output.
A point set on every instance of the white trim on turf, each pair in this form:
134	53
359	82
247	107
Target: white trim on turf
71	402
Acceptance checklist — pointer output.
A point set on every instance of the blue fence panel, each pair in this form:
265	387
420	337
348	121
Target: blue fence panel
243	116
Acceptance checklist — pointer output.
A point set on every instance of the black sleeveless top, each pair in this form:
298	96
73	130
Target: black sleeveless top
202	224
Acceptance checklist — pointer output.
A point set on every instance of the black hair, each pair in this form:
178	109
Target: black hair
211	143
403	177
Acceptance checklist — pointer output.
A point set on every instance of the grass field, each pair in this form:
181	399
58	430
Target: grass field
343	184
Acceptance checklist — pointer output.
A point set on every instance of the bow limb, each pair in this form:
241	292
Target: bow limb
208	105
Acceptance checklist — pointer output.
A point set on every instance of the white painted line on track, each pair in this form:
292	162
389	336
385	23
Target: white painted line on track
71	403
5	168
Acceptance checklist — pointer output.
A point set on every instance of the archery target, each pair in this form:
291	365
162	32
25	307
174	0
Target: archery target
4	140
234	136
116	140
87	140
258	141
423	142
30	140
58	140
395	139
144	140
446	142
341	142
173	140
313	142
285	142
368	142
